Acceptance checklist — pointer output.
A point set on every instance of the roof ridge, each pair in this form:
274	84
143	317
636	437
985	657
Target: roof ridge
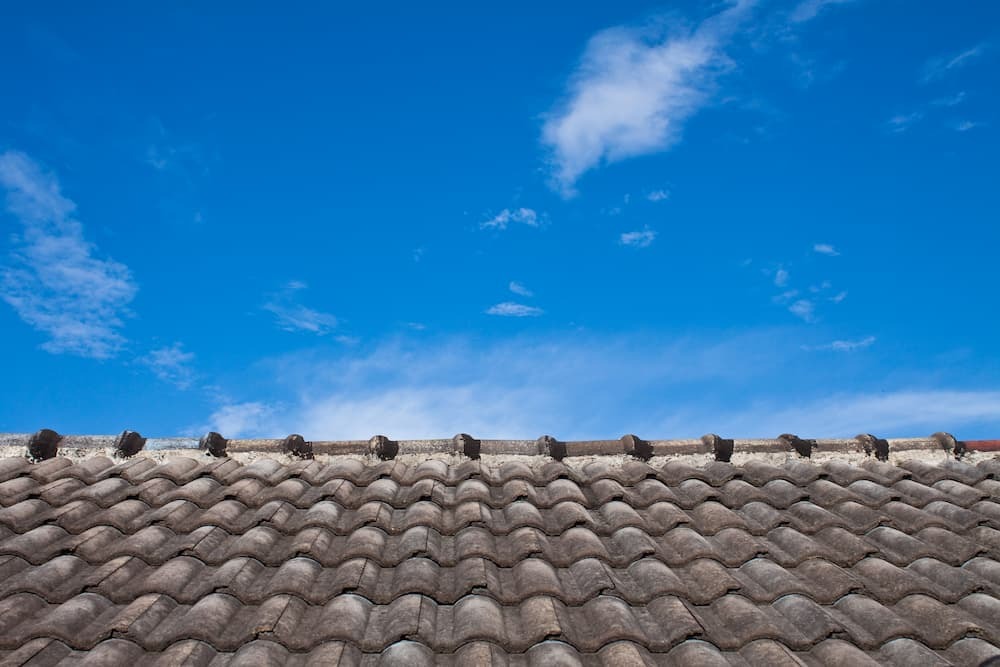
46	443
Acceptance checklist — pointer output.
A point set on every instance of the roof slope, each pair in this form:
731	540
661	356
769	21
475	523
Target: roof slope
200	560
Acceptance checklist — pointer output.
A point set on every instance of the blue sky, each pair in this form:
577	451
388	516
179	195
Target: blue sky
581	220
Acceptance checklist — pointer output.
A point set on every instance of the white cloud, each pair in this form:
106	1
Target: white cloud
825	249
816	289
658	195
845	345
171	364
55	279
511	309
950	101
518	288
640	239
804	309
501	220
633	91
522	387
780	278
236	420
291	315
838	297
966	125
527	386
809	9
786	296
897	413
937	68
902	122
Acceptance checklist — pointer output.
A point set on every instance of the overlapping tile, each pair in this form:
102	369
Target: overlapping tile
195	560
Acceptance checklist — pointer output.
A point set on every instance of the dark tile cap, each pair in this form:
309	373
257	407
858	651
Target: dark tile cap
44	444
296	445
129	443
213	443
721	447
466	444
949	444
383	447
801	446
637	447
547	445
874	445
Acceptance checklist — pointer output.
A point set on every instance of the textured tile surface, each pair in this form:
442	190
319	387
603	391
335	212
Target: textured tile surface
210	561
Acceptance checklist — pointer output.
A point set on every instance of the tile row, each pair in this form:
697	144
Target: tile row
730	546
186	580
359	472
405	653
707	518
155	622
207	492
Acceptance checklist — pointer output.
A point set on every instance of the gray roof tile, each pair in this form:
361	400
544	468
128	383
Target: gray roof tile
199	561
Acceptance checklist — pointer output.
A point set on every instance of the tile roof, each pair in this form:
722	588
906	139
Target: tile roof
606	560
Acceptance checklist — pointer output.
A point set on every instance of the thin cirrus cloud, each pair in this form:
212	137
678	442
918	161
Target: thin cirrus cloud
519	388
804	309
55	279
825	249
941	66
518	288
500	221
171	364
966	125
810	9
291	315
902	122
658	195
638	239
633	91
843	345
513	309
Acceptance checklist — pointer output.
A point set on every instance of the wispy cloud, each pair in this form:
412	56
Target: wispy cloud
825	285
171	364
966	125
804	309
524	387
825	249
810	9
244	419
638	239
937	68
518	288
951	100
903	412
512	309
521	387
658	195
633	91
54	278
843	345
781	278
501	220
902	122
838	297
291	315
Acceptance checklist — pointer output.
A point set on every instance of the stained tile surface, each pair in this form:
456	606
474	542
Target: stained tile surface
209	561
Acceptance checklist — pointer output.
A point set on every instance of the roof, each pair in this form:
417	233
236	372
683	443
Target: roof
595	560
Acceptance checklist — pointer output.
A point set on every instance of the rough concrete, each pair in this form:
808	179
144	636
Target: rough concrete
534	460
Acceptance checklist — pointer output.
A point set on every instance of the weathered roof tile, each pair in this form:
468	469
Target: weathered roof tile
200	561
